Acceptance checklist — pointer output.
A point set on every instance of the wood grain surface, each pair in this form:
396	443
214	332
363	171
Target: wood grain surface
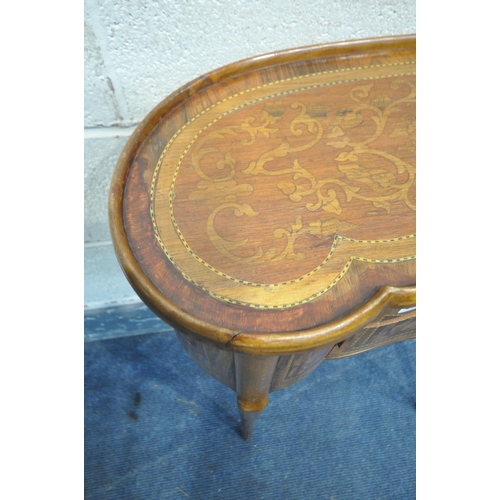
269	206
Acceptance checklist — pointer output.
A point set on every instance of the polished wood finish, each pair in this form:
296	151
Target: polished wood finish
267	212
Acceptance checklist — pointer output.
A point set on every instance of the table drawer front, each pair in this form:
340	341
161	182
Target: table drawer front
389	330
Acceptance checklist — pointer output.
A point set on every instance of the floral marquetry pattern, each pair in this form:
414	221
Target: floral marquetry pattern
276	187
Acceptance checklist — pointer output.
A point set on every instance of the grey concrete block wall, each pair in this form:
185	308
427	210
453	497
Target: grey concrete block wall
138	52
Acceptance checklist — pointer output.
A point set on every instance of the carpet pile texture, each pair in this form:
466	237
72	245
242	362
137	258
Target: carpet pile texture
156	426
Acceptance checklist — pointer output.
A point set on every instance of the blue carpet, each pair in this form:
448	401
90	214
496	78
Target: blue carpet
156	426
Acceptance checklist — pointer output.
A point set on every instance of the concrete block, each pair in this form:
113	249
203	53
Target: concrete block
101	107
151	48
105	283
101	155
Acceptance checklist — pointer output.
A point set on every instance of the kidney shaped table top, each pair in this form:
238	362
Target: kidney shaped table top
267	212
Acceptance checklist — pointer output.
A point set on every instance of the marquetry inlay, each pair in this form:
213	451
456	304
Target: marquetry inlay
266	197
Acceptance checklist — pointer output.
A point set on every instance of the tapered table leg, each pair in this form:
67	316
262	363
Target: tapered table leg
253	381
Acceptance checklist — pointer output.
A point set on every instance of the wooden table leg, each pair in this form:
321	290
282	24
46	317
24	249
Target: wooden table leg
253	381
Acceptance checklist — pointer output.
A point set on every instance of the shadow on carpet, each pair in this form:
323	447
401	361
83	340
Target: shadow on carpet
156	426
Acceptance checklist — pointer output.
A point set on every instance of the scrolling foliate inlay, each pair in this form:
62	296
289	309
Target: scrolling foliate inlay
382	182
265	198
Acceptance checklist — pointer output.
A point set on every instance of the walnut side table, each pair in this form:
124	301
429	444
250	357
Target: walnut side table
266	211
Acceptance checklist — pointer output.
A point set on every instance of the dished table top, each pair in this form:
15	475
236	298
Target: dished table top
276	194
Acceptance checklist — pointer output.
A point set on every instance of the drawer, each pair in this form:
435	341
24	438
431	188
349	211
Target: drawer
394	326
